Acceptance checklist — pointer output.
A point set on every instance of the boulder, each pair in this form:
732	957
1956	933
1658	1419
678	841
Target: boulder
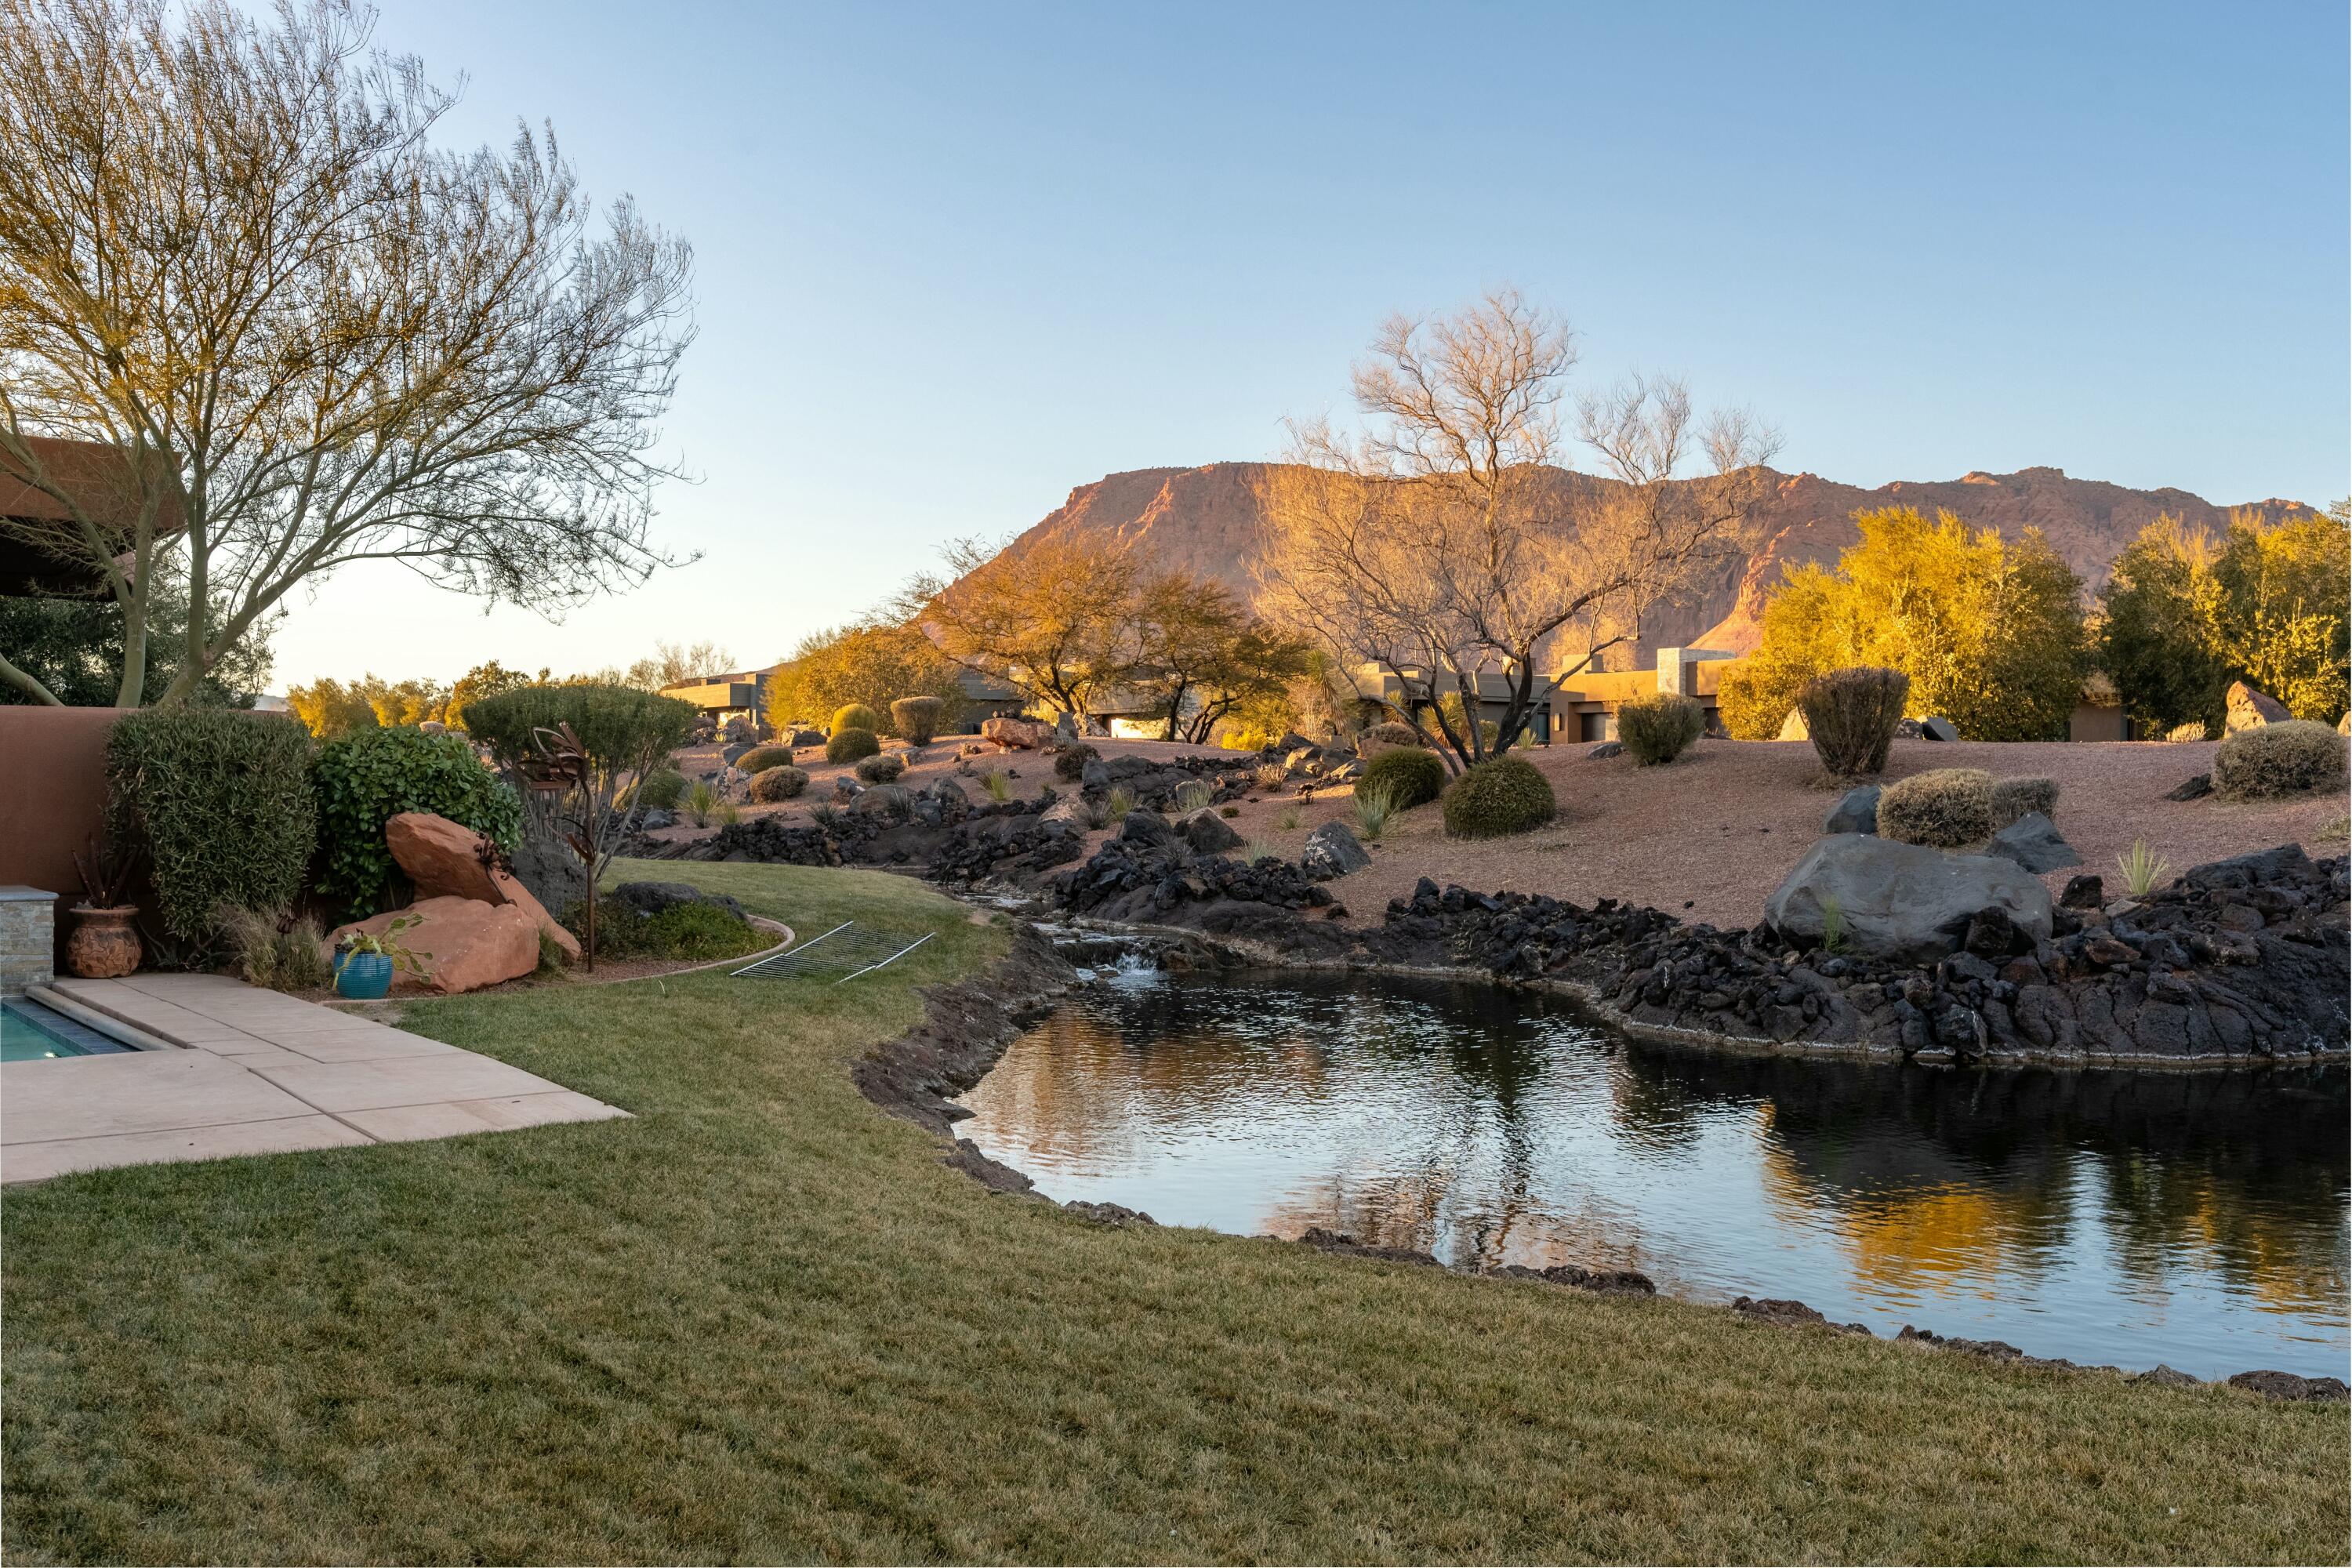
732	753
462	944
1908	730
449	860
1856	812
1794	728
1094	773
2197	786
656	819
807	738
1208	832
1332	850
1141	826
1903	901
2249	709
1065	730
2033	842
1936	727
1016	734
1608	749
650	899
2084	892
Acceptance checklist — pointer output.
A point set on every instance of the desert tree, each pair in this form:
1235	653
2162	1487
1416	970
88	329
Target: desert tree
230	253
1203	655
1055	619
1444	545
872	662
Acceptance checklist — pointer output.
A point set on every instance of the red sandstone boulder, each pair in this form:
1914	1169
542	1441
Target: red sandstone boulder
1017	734
2251	709
447	859
462	944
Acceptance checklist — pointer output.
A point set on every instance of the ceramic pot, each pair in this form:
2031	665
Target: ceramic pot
102	943
363	977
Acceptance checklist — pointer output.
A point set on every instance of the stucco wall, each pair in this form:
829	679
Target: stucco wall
52	793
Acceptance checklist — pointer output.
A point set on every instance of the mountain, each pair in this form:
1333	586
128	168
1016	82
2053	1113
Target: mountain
1207	522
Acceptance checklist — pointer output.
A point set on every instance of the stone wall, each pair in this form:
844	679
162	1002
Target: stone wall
28	939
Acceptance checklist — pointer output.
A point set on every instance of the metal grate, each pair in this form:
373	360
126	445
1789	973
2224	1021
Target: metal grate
848	950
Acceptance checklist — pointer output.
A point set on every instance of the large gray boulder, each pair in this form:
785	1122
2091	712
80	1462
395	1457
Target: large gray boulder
1856	812
1903	901
2034	842
1332	850
1146	827
1208	832
1936	727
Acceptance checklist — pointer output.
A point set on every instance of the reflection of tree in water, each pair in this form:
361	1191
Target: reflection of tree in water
1938	1169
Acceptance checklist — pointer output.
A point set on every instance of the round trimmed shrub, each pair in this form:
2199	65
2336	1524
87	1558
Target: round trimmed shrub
916	718
2016	798
856	716
1945	807
663	787
760	759
1070	761
881	768
1659	728
1851	715
779	783
1501	796
1407	776
2292	757
370	776
850	742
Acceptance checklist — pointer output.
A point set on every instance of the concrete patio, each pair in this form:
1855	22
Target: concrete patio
232	1069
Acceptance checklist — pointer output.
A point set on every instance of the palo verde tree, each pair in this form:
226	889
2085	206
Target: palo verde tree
1055	619
1445	546
1204	656
230	254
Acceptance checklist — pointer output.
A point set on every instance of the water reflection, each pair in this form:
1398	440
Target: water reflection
2192	1218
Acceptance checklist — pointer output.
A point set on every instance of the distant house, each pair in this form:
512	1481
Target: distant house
2100	715
984	697
739	694
1375	685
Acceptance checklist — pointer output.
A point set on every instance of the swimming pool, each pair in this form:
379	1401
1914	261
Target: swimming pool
31	1033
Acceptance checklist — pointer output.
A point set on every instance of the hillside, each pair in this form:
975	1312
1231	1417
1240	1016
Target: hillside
1206	521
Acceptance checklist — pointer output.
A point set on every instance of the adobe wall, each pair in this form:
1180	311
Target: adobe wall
52	793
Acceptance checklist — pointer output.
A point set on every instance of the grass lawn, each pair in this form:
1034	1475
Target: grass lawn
762	1322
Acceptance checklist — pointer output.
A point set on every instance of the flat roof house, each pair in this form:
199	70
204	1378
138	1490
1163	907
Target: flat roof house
741	694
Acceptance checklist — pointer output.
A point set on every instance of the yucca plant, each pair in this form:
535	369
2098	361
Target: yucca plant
699	802
2142	867
1373	808
995	785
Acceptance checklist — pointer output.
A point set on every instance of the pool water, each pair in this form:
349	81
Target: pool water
30	1033
2196	1219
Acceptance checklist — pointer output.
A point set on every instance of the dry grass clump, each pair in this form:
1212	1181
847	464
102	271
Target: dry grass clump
2272	760
2013	799
1851	715
273	952
1658	729
880	769
770	786
1946	807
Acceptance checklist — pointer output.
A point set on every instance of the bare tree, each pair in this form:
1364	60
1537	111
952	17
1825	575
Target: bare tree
228	252
1444	545
1057	621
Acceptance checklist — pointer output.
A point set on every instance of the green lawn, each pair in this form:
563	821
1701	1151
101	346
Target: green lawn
762	1322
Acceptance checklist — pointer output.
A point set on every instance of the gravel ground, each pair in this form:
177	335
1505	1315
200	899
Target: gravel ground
1711	834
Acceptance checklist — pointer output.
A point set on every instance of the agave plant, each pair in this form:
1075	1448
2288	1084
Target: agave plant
2142	867
1373	809
995	785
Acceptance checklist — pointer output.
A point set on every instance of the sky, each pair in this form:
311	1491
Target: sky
952	260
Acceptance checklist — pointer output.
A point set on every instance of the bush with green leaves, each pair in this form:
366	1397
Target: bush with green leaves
1851	715
2294	757
1659	728
663	787
760	759
1945	807
2013	799
850	744
219	802
881	769
619	726
1504	796
371	776
916	718
1407	776
770	785
855	716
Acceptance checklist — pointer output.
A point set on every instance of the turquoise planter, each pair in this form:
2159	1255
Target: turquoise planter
363	977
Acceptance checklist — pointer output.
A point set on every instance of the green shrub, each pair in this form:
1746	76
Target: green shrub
663	787
916	719
1407	776
770	786
1659	728
220	802
1947	807
2292	757
849	744
1851	715
881	768
683	934
370	776
856	716
1505	796
618	726
2016	798
1070	761
760	759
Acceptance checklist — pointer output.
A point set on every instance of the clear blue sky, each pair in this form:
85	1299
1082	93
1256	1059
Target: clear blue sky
954	260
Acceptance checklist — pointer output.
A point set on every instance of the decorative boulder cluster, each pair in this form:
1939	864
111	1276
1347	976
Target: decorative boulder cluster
1147	872
1156	783
1008	840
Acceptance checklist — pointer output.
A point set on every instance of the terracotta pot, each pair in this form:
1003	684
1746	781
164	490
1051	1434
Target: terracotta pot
104	943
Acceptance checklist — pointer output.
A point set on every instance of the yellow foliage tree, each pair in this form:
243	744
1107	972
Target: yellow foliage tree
872	662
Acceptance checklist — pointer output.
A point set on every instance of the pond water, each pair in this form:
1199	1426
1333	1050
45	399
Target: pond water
2127	1218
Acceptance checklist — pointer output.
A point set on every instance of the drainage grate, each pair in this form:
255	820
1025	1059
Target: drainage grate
848	950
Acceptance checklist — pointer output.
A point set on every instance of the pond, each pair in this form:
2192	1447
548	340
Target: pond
2195	1220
